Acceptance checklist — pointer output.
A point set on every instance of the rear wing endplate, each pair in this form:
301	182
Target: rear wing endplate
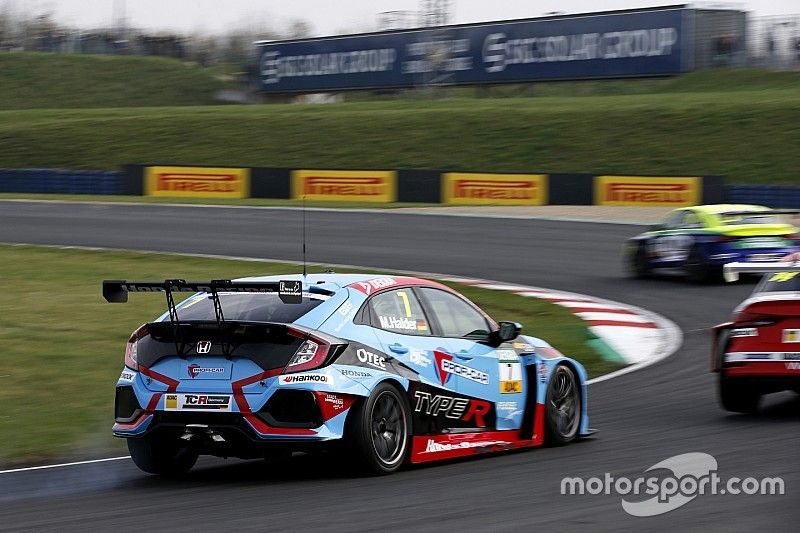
731	271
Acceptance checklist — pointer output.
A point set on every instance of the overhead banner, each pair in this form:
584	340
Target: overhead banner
345	185
647	191
197	182
462	188
647	42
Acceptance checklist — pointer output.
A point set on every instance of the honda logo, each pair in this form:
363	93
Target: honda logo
203	346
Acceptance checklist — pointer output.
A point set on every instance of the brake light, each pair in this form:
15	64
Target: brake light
312	353
131	349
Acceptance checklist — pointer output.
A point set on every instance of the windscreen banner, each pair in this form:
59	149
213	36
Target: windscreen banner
615	44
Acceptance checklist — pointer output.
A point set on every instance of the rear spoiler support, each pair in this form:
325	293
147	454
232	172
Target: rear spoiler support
731	271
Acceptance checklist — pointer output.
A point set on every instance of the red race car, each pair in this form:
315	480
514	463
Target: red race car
758	351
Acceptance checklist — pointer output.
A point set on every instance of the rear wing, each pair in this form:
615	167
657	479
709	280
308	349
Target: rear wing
731	271
765	213
116	291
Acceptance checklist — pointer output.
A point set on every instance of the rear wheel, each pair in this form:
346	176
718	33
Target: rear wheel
161	457
563	406
699	272
380	430
736	396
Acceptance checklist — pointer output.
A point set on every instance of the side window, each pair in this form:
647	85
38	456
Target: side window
691	221
398	311
456	317
674	220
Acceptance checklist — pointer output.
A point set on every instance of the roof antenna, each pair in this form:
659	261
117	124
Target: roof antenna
304	236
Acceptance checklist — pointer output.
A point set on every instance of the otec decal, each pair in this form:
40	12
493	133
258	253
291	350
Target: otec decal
345	185
493	189
378	361
293	379
646	191
197	182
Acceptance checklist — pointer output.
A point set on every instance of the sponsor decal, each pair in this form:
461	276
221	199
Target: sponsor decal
454	408
495	189
791	336
354	374
451	367
419	358
744	332
523	347
195	370
345	185
792	365
334	401
433	446
646	191
346	312
290	292
294	379
127	376
510	371
197	182
543	373
393	322
368	287
510	408
203	347
197	402
378	361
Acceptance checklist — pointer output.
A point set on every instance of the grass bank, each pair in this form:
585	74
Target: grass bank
749	136
63	345
43	80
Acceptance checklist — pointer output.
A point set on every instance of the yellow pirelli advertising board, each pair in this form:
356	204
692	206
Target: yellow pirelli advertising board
647	191
462	188
345	185
197	182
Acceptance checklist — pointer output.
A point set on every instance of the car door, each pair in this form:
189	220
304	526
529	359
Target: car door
475	368
404	331
670	245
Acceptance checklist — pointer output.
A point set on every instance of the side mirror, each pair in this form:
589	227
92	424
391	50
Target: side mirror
508	331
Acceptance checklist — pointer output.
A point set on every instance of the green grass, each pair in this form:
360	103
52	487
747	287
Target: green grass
63	345
751	136
41	80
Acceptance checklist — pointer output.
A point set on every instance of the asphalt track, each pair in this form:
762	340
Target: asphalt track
643	417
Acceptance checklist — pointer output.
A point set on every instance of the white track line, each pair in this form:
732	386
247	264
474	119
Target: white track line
674	334
76	463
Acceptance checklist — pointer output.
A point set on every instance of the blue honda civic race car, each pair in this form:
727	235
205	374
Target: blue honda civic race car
699	240
390	370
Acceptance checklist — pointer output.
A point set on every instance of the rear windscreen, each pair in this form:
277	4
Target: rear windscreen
779	282
253	307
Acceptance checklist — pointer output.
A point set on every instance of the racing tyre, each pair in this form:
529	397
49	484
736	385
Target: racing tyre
737	397
380	430
562	407
163	458
697	271
637	262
